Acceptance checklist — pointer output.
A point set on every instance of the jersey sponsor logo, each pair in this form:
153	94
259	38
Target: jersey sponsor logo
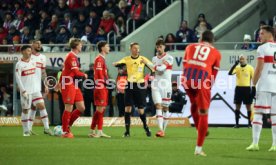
39	65
28	72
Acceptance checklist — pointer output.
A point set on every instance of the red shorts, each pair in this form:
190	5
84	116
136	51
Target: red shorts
201	97
101	97
70	94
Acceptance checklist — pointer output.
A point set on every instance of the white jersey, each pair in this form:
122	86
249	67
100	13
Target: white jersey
40	60
25	76
267	80
163	67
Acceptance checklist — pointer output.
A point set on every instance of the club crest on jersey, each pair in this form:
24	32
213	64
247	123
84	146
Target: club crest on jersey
74	63
99	65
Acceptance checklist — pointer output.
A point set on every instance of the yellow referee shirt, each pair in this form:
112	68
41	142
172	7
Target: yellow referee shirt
135	68
244	75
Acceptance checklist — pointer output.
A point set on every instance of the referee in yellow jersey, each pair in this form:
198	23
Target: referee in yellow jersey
135	92
243	91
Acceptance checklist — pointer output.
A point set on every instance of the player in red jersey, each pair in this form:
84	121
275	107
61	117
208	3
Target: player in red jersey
201	63
71	94
100	91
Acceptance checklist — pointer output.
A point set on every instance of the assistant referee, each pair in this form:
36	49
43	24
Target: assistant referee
135	92
243	92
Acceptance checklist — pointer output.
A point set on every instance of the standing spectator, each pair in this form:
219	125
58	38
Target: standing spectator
185	34
246	43
112	8
124	10
107	23
200	29
61	9
256	33
93	20
121	82
88	92
170	39
17	6
26	37
201	17
121	28
138	13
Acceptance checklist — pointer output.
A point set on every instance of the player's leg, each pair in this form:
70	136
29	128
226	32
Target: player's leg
32	114
273	124
194	108
166	101
262	106
79	107
26	105
157	99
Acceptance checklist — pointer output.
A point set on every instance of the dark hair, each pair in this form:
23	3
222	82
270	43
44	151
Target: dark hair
74	42
268	28
208	36
133	44
160	42
24	47
101	44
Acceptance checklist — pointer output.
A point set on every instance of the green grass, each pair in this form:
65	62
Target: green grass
223	146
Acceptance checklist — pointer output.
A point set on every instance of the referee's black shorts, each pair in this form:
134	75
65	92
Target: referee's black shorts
243	95
135	94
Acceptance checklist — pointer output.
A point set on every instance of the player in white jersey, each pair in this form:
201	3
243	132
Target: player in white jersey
264	79
40	76
25	76
161	86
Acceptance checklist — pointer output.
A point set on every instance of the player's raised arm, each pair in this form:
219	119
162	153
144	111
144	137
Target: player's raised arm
232	71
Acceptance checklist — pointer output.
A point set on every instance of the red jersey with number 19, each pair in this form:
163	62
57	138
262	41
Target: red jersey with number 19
200	62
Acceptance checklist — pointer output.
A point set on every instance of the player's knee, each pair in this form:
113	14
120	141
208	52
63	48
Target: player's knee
203	112
25	111
128	109
165	108
258	117
158	106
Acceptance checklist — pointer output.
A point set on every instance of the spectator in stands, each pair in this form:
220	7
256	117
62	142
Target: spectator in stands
61	9
81	22
112	8
124	9
185	34
15	41
93	20
8	21
178	99
100	7
256	33
75	4
67	22
37	35
170	40
26	37
48	36
44	20
138	13
30	8
17	6
31	23
19	21
201	17
12	32
101	36
120	22
3	34
75	32
54	22
108	23
200	29
87	7
63	35
246	43
88	32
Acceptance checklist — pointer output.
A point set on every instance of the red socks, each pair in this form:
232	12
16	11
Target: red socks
194	112
65	121
74	116
100	120
202	129
94	120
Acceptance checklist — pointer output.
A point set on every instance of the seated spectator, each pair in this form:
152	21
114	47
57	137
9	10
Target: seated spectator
61	9
44	20
99	8
75	32
63	35
256	33
67	22
26	37
3	34
93	20
138	13
185	34
19	21
112	8
8	21
247	45
170	39
48	36
107	23
30	8
17	6
12	32
87	7
101	36
54	22
81	22
124	9
37	35
201	17
200	29
178	99
31	23
88	32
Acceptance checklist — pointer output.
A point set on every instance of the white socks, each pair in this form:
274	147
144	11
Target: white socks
166	119
24	121
198	149
31	118
160	119
257	125
44	118
273	128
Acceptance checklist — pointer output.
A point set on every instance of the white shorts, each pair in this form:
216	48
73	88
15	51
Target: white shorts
265	102
162	96
33	98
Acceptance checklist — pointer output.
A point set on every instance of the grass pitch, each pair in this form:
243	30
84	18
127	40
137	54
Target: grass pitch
223	146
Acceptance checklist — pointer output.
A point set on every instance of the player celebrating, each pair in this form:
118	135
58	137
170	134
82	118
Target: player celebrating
161	86
25	76
264	78
100	91
135	92
40	74
201	63
70	91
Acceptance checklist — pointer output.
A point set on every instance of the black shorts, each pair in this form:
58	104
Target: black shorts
243	95
135	96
